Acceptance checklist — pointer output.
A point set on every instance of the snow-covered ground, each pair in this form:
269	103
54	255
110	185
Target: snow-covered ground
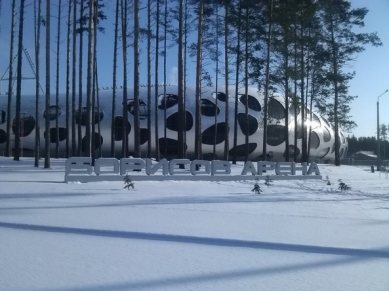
296	235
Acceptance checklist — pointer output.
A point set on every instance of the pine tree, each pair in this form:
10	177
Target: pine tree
128	182
343	44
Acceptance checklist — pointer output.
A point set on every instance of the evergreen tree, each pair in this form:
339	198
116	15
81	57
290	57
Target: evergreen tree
342	43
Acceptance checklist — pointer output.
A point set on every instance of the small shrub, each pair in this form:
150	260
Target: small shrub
343	186
128	182
328	182
256	189
268	180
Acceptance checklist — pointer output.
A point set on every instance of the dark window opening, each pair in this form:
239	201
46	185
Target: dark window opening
219	96
118	128
84	117
209	108
142	108
214	134
144	135
253	102
98	142
2	116
53	112
275	109
3	136
27	124
275	135
240	150
167	101
248	126
314	140
169	146
173	121
326	134
53	134
293	150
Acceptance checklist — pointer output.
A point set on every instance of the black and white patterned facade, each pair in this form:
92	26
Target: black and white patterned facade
213	106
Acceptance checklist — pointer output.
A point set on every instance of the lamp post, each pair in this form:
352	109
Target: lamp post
378	131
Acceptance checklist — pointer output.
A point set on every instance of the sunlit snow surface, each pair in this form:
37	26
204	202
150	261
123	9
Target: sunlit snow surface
296	235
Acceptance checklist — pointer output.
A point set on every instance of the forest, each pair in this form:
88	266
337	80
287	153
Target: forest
300	49
369	143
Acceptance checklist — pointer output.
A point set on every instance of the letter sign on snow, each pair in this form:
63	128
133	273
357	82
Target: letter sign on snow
78	166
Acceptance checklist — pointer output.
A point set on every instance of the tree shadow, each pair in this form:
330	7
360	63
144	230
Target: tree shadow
344	256
220	242
166	282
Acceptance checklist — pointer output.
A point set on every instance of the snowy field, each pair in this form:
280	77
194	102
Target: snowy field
296	235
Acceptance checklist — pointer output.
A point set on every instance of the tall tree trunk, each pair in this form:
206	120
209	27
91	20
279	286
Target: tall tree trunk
8	150
246	85
100	153
185	67
164	78
226	73
57	82
136	81
19	82
125	111
37	85
286	80
216	78
67	149
95	94
295	102
88	148
115	56
198	154
336	91
157	83
74	58
307	84
302	85
47	121
80	65
148	79
181	97
237	69
267	80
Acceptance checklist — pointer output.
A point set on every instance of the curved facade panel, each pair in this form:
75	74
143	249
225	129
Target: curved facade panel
249	124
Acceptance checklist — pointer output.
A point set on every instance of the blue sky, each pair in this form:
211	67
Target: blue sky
371	66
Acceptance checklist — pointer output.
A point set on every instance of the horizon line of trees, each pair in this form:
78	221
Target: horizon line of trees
298	47
369	143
